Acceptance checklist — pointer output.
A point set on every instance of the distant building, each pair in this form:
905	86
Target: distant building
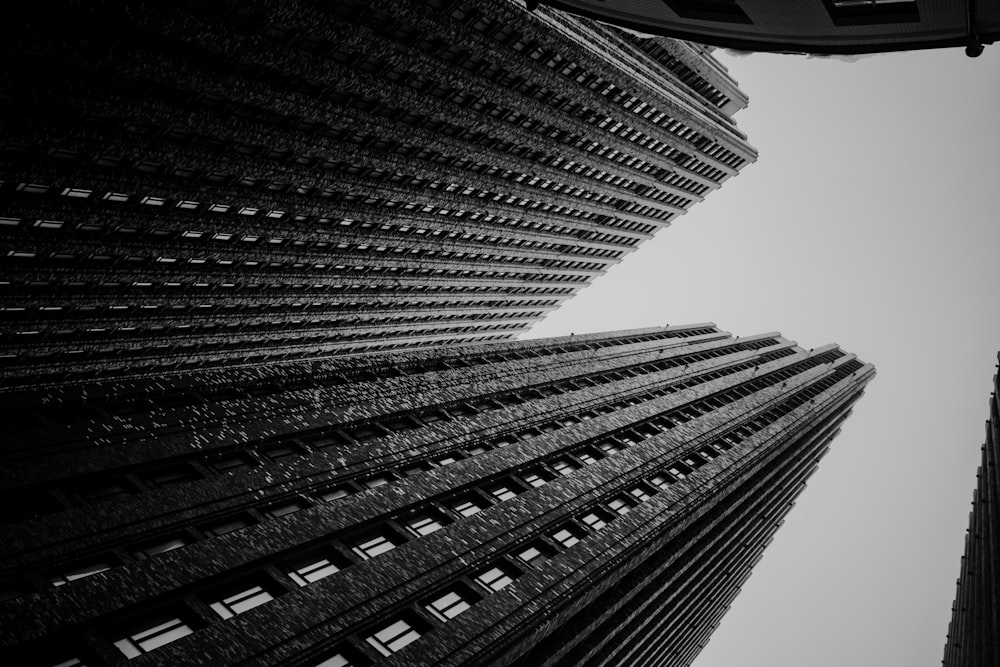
209	184
587	500
974	632
806	26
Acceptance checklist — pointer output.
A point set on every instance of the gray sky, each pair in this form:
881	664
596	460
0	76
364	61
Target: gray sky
869	220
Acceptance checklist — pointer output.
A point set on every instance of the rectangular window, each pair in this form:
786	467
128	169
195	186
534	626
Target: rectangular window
620	505
534	479
535	554
393	637
494	578
226	526
312	567
503	493
160	546
565	537
81	572
449	605
564	466
275	511
593	520
467	507
423	524
230	462
333	494
240	601
639	494
152	635
379	543
660	481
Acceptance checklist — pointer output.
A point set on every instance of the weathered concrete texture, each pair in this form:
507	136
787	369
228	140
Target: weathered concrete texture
649	467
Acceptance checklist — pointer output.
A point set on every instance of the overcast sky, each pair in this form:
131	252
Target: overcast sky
871	220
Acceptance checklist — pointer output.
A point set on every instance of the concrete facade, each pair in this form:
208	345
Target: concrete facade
974	631
584	500
220	183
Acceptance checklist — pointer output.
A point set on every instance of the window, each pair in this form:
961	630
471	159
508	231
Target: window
594	520
379	480
281	509
564	466
102	490
160	546
565	537
534	479
639	494
81	571
311	567
467	507
171	475
449	605
394	637
495	578
278	452
225	526
535	554
503	493
423	524
152	634
341	658
230	462
610	448
375	544
239	601
620	505
333	494
660	481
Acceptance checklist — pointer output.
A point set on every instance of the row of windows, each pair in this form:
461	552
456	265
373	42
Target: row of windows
388	324
66	412
538	472
362	245
182	351
578	74
197	466
326	224
453	598
485	68
93	287
230	308
685	74
306	565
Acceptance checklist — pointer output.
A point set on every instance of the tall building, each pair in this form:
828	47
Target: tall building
218	183
974	632
806	26
584	500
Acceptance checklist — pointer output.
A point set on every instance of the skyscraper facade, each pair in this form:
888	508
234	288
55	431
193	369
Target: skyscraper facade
217	183
974	632
584	500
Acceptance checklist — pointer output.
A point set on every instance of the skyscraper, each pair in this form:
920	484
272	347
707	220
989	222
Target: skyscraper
214	183
974	632
584	500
